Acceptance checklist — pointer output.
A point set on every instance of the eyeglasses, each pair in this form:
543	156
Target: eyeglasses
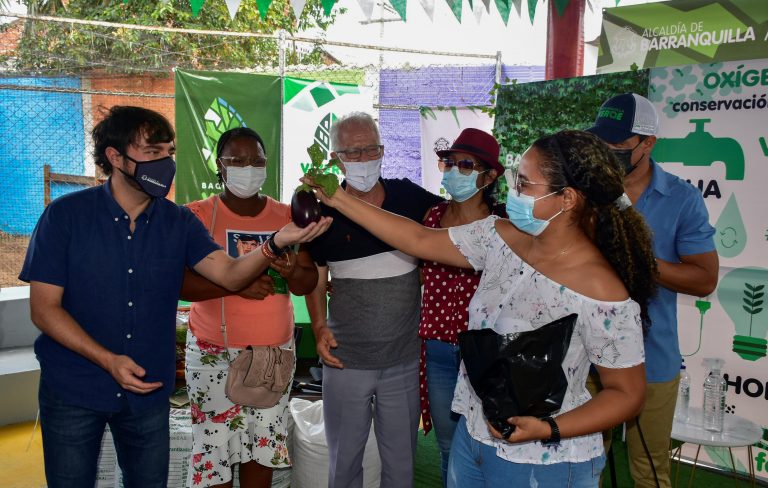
355	153
242	162
520	184
466	166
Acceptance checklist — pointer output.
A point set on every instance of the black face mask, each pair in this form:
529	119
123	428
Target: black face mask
153	177
625	158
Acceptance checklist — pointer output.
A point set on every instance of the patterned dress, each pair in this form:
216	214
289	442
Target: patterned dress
447	291
224	433
514	297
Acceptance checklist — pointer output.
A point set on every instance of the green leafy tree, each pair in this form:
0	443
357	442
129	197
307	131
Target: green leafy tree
61	47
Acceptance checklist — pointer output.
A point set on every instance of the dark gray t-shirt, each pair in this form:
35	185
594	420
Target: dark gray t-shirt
375	306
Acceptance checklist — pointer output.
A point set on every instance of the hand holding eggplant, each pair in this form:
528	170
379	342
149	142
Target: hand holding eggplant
304	205
292	234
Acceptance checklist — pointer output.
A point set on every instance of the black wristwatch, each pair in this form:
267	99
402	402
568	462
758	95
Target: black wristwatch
555	437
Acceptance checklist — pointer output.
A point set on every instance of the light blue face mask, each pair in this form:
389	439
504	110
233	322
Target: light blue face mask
460	187
520	212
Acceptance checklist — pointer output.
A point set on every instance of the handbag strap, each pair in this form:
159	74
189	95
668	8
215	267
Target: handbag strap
223	316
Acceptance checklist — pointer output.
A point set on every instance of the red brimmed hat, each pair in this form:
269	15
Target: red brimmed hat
478	143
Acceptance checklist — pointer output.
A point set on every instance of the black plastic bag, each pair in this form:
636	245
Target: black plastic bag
518	374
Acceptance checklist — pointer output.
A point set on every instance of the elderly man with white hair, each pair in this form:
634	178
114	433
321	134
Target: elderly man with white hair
367	334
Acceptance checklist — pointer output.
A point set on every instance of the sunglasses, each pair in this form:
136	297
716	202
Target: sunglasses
466	166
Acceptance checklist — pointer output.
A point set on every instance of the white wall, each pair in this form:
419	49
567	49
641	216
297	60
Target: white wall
19	370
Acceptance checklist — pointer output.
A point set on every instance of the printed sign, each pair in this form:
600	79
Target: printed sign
680	32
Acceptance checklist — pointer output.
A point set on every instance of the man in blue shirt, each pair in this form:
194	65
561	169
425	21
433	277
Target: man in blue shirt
105	266
687	262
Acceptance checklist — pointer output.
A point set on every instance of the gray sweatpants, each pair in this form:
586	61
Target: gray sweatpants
351	399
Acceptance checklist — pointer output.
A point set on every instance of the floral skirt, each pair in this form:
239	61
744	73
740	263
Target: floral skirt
224	433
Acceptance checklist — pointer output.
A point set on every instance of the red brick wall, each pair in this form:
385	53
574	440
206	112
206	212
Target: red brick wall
144	83
10	37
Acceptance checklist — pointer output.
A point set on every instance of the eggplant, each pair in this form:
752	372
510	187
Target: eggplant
305	208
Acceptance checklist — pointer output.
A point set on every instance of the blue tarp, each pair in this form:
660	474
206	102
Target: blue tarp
37	128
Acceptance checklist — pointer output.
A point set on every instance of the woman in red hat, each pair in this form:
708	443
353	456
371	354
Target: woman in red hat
470	175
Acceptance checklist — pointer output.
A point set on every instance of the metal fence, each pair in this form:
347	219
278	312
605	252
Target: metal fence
58	75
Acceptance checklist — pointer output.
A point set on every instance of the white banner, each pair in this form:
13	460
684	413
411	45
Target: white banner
713	133
309	109
439	128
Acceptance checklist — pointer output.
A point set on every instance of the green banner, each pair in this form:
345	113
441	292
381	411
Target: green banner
207	105
682	32
309	109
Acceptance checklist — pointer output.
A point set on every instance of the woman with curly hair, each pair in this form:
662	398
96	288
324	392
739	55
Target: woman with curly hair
572	244
471	172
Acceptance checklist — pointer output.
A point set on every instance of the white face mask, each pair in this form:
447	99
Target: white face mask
364	175
245	182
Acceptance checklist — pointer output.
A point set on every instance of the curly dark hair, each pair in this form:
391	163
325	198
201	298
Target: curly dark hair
123	125
580	160
236	133
491	193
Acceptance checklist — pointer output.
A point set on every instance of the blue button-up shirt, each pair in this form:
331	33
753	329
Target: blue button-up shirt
678	218
122	288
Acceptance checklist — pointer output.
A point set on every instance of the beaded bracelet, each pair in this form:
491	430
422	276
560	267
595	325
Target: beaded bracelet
267	252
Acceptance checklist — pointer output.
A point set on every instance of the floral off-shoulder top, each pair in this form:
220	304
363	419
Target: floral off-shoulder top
513	297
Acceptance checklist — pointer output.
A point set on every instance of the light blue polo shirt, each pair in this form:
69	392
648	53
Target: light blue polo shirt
675	212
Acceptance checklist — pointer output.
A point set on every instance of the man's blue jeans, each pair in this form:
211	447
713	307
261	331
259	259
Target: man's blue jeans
476	465
72	442
443	360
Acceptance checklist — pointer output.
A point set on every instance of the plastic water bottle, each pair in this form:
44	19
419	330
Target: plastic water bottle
713	410
683	395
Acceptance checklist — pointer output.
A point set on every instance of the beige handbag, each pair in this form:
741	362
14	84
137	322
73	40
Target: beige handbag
260	376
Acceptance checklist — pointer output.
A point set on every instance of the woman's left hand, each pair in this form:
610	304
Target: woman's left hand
285	264
293	234
526	429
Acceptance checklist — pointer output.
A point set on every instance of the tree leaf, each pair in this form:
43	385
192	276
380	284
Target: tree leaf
427	112
71	48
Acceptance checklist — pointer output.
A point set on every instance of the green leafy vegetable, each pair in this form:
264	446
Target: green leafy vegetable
319	173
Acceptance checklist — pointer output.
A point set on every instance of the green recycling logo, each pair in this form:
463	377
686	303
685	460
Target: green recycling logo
323	134
219	118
